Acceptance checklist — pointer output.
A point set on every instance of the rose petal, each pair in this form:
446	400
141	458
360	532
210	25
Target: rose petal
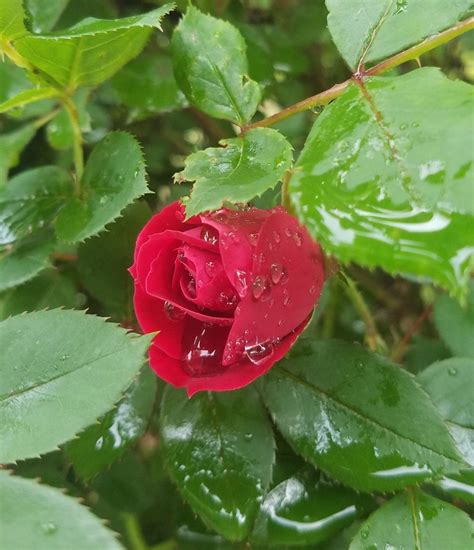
287	278
167	368
152	317
159	283
238	233
243	373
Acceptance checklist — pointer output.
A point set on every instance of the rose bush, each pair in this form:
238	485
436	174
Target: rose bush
228	293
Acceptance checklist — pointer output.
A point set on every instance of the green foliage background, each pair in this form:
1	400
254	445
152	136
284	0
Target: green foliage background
363	437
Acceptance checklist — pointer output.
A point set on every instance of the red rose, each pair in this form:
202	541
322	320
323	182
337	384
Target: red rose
229	293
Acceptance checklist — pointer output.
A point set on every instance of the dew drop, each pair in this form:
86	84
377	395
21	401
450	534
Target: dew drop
278	273
49	528
313	289
240	282
233	237
64	357
259	353
276	237
261	288
99	443
210	268
203	349
191	286
286	300
172	312
248	437
210	235
228	300
452	371
253	238
297	237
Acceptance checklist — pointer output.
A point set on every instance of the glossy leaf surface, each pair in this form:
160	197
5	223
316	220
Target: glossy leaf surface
38	516
210	64
58	357
22	262
104	442
450	384
220	450
387	186
11	20
92	50
455	323
31	201
114	176
350	412
371	30
305	510
48	290
11	146
243	168
415	520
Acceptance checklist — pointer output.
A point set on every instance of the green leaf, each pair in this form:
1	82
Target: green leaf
305	510
387	186
49	289
455	323
351	413
219	448
114	176
370	30
450	385
22	262
40	517
147	86
26	97
210	65
245	167
11	146
11	20
44	14
460	486
60	370
104	260
415	520
103	443
91	51
32	201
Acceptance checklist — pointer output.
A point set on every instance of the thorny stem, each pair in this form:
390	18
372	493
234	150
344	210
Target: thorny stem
372	337
323	98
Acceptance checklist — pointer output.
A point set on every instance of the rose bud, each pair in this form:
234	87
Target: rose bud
228	292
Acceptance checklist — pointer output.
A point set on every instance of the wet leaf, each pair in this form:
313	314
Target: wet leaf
210	64
22	262
91	51
11	146
387	186
48	290
62	365
455	323
350	412
415	520
104	261
43	15
103	443
243	168
305	510
38	516
450	384
376	29
219	448
31	201
114	176
26	97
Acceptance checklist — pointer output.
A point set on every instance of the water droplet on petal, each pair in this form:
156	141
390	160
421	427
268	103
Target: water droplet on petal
261	288
298	238
240	282
191	286
203	351
259	353
210	235
233	236
210	268
286	300
173	313
228	300
276	237
277	273
253	238
313	289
